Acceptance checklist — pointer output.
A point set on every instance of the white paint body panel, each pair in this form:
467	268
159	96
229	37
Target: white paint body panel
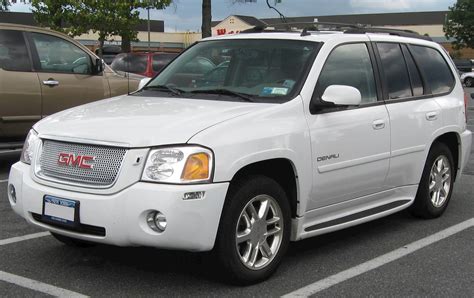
374	168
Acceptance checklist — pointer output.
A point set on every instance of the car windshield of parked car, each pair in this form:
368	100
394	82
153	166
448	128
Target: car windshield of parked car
261	70
130	63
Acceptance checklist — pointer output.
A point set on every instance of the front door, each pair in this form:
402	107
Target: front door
350	146
65	74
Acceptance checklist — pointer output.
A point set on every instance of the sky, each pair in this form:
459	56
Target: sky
185	15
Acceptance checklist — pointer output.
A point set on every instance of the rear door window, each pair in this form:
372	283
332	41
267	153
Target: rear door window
434	68
415	78
394	70
13	52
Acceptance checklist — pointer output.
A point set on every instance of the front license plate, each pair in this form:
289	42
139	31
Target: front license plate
60	211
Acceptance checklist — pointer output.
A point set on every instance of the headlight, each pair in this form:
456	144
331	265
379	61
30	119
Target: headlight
29	147
187	164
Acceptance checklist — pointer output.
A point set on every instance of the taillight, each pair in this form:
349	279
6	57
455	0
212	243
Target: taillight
466	98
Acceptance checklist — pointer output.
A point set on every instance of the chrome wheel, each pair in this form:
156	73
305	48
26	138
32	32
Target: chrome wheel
440	181
259	232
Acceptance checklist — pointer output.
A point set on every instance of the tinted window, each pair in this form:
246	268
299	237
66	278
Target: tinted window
349	65
434	68
394	70
58	55
160	61
130	63
415	78
13	51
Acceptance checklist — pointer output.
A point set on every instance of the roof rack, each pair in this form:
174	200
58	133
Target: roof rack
330	26
397	32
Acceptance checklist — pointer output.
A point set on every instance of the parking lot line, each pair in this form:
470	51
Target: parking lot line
23	238
37	285
6	180
379	261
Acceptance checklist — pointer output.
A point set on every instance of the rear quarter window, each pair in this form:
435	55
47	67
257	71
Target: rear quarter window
434	68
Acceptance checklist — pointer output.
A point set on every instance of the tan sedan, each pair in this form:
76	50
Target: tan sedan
43	72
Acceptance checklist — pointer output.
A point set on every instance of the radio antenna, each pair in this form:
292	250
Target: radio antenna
282	17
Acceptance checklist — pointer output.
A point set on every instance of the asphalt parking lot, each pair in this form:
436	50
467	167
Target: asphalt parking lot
395	256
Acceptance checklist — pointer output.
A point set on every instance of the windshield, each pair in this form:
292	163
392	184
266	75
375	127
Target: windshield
252	70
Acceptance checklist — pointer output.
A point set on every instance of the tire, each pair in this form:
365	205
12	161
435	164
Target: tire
234	256
427	203
72	241
469	82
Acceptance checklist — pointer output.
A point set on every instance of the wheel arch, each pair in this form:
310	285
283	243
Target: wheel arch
452	140
282	170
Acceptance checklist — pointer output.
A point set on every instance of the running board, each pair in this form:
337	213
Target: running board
356	216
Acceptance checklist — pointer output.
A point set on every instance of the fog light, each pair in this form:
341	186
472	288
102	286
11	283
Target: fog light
196	195
156	221
12	192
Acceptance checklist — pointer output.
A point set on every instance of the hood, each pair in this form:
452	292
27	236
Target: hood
139	121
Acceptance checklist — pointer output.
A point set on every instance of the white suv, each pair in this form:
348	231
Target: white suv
247	142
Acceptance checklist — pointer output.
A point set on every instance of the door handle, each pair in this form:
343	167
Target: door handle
431	116
51	82
378	124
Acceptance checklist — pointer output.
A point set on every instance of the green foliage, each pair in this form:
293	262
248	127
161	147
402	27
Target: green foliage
4	5
460	24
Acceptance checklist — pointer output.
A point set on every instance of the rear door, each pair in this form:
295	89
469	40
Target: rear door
65	73
414	114
20	93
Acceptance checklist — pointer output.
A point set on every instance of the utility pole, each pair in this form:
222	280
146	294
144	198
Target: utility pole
149	42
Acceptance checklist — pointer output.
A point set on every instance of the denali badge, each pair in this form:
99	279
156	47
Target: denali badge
78	161
327	157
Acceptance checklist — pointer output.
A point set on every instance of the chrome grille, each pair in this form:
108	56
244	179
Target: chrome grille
107	163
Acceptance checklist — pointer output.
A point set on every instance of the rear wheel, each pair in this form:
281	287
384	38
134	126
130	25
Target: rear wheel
469	82
72	241
436	185
254	231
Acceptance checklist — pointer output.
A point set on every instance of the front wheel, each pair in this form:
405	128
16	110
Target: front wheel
436	185
254	231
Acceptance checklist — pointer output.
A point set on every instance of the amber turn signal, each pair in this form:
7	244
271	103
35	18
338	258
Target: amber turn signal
196	168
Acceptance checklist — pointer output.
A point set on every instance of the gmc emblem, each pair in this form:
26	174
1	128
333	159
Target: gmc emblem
78	161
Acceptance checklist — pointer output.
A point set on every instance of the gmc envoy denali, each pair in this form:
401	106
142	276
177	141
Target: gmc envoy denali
290	135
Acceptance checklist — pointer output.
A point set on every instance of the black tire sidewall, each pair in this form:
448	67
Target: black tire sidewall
468	82
423	206
240	193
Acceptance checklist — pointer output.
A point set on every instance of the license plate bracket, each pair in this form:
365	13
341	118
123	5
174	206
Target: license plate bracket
61	211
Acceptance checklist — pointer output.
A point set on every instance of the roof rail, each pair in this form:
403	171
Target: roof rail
397	32
330	26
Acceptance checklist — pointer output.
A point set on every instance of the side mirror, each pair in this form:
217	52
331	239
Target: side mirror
341	95
336	95
143	82
98	66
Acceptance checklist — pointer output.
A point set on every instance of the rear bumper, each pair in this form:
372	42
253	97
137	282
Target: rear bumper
192	224
466	143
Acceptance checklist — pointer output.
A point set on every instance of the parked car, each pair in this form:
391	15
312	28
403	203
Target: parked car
306	134
43	72
146	64
468	78
109	53
463	65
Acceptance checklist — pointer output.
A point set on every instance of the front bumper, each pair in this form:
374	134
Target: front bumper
192	224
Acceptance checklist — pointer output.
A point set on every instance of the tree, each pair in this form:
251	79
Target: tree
4	5
128	17
67	16
460	24
206	18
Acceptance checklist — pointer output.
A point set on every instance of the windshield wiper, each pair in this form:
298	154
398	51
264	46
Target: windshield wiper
246	97
164	88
